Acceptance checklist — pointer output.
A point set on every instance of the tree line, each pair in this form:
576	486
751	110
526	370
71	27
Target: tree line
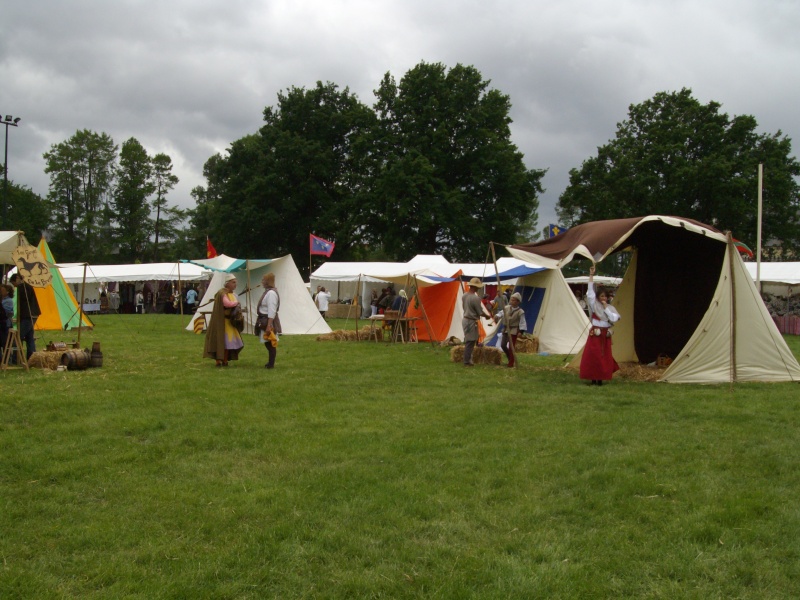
430	168
105	204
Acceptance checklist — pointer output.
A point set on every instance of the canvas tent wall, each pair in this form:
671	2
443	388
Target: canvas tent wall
777	278
436	281
552	312
59	309
439	301
298	313
559	326
686	294
345	280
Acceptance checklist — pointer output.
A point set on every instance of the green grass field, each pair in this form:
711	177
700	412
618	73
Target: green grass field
364	470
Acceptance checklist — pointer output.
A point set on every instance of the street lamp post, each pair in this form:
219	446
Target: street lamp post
9	121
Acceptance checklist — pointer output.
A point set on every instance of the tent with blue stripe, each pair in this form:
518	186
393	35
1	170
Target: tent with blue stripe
552	313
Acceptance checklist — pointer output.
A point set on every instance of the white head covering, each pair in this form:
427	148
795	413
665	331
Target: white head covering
229	277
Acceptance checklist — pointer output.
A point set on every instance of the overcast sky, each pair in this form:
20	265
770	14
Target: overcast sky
188	77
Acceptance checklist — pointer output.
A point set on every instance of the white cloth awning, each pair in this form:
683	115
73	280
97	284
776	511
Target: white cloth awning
134	272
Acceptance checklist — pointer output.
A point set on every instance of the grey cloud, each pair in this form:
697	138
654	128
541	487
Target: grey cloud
188	77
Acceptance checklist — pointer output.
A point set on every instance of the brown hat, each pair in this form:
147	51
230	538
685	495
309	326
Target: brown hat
475	282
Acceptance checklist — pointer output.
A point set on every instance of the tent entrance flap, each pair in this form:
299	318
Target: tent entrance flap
667	314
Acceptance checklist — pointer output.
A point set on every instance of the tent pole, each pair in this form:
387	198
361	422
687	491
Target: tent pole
758	232
731	250
247	296
357	298
80	306
180	290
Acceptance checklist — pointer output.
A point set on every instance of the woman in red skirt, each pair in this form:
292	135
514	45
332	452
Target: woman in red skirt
597	362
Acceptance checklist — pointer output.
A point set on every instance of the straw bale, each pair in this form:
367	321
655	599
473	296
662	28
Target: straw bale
46	359
341	335
481	355
527	345
639	372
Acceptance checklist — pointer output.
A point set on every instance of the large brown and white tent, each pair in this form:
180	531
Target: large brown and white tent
686	294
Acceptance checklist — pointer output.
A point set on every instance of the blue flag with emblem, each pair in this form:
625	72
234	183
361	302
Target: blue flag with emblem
320	246
554	230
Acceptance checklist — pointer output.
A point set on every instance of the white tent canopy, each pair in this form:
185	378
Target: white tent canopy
172	271
598	279
777	278
298	314
560	324
9	240
776	272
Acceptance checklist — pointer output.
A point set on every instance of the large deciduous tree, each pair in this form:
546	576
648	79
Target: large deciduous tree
26	211
131	205
293	177
445	177
167	219
82	171
676	156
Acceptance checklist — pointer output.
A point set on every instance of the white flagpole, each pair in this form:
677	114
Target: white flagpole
758	233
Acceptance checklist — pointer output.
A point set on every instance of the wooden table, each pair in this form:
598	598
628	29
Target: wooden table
403	328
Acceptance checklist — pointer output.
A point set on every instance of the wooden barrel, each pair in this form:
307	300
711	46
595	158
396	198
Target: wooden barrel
96	359
75	360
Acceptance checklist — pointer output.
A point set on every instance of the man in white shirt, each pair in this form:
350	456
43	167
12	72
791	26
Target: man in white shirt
323	297
268	307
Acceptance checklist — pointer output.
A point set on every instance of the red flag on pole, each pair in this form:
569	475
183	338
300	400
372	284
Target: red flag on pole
210	250
320	246
742	247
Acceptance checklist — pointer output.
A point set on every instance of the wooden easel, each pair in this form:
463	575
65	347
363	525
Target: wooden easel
12	342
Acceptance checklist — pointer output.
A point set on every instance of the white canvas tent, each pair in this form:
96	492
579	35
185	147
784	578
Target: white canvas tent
556	317
440	307
686	294
552	312
777	278
298	313
346	279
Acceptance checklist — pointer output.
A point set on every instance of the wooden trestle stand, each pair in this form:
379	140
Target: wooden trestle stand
12	342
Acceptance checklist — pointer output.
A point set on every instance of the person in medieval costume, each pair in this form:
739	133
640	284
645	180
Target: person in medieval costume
28	312
597	362
513	317
268	325
223	340
473	311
